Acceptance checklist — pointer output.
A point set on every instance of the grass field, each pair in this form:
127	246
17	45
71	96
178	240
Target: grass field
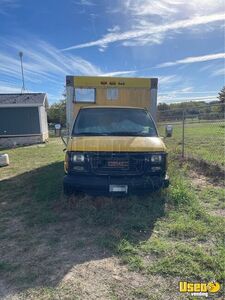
102	248
202	140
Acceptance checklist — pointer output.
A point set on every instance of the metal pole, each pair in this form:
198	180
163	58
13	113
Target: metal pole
183	120
21	62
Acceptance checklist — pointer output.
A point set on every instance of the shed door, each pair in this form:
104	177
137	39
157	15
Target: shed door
19	120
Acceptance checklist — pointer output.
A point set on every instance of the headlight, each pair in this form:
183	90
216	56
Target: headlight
156	158
78	158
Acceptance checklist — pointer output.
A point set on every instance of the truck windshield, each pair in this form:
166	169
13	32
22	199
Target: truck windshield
114	121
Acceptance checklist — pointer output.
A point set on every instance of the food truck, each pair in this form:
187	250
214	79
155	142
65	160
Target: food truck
113	145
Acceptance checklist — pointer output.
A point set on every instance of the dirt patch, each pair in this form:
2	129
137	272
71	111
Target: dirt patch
201	182
213	172
101	279
218	212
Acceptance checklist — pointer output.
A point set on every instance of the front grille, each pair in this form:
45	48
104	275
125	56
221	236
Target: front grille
119	163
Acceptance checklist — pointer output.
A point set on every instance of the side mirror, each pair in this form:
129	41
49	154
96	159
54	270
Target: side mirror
168	130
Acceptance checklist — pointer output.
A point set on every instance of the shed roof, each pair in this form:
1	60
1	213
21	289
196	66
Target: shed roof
33	99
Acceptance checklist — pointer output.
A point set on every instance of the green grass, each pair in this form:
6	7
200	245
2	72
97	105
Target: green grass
188	242
202	140
29	158
214	197
34	181
168	235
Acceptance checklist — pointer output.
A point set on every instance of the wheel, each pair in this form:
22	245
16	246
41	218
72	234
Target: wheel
166	182
67	190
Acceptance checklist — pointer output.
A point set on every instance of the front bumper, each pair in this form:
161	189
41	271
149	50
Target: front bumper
99	185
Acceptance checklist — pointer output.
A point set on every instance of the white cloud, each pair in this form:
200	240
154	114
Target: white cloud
187	94
115	28
219	72
6	87
45	67
118	73
150	32
168	79
187	90
152	7
173	99
6	5
43	62
156	39
84	2
172	9
192	59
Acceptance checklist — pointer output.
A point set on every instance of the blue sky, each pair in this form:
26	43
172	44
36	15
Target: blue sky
179	41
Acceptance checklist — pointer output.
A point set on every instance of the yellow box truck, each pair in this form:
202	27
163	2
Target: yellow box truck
113	145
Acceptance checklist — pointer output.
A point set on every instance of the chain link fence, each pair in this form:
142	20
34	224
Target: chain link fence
198	133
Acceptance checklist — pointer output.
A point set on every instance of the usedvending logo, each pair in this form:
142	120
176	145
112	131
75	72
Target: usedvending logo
200	289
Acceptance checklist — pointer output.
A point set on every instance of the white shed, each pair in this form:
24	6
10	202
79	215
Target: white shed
23	119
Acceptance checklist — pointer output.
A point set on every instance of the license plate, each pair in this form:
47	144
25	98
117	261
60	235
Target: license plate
118	188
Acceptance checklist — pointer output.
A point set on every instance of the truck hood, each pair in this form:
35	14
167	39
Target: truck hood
116	144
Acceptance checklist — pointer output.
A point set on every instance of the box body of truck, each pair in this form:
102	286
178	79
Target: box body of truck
114	145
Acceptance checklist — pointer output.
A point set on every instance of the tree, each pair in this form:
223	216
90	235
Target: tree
57	113
222	95
221	98
163	106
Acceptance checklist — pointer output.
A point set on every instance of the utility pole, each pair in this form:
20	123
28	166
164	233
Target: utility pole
21	62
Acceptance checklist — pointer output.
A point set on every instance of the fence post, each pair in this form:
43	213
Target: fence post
183	121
